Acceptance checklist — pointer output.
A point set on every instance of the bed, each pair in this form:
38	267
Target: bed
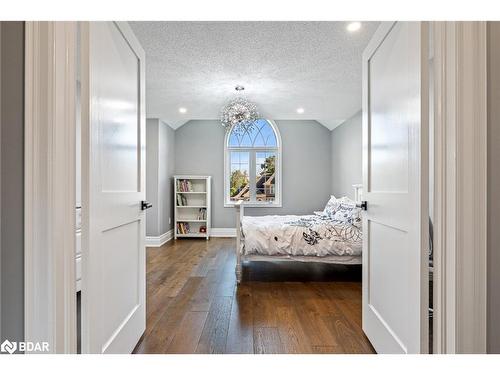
325	237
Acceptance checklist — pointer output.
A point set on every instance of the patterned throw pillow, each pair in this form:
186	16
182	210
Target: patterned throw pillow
342	209
346	211
331	207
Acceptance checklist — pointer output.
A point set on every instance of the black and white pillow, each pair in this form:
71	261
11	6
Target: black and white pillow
347	210
342	209
331	207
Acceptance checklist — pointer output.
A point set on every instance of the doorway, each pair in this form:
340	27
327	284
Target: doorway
439	231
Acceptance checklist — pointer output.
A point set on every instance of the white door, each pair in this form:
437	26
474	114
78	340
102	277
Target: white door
113	167
395	178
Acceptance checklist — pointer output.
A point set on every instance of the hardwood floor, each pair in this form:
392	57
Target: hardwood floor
194	306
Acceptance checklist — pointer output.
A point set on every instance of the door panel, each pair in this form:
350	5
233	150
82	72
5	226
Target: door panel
389	95
395	177
120	293
385	243
119	101
113	280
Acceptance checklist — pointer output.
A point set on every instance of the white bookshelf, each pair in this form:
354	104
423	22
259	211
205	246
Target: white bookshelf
192	201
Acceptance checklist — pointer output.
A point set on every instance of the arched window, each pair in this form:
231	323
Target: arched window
253	165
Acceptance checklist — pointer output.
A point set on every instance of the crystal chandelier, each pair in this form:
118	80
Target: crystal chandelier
239	113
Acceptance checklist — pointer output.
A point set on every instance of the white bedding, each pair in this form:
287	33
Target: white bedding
307	235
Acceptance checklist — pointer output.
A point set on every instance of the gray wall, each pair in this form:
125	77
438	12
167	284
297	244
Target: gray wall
306	166
165	179
12	180
160	158
493	187
346	155
152	176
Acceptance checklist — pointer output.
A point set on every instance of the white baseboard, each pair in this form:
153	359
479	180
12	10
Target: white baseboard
160	240
223	232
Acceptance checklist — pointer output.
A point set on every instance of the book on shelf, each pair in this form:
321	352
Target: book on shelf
181	200
202	214
184	186
183	228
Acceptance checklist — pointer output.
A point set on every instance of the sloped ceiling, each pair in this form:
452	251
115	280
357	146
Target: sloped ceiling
282	65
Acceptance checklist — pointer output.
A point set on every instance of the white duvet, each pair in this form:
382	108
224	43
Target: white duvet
308	235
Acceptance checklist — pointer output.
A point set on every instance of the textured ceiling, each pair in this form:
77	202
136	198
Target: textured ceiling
283	66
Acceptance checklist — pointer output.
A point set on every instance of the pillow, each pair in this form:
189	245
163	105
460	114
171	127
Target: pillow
346	211
331	206
331	201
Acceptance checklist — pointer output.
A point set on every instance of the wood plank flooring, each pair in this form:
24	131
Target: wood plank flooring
194	306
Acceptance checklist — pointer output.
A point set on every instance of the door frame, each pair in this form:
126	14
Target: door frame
460	186
460	100
49	196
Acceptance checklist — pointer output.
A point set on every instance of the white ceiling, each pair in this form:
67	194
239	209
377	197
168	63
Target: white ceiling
283	66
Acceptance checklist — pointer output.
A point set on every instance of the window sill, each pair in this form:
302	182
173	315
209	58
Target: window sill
255	205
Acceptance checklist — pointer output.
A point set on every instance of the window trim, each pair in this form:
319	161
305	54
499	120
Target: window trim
279	151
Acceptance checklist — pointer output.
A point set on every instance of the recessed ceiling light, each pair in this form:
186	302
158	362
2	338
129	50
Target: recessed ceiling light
300	111
182	110
353	26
